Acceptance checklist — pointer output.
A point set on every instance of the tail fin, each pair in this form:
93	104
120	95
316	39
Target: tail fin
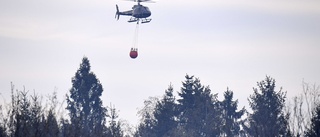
117	13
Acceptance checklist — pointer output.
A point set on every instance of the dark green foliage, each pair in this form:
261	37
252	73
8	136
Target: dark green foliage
114	129
51	125
87	114
230	115
198	109
187	94
268	118
314	130
165	114
25	116
2	123
66	128
145	128
196	113
2	131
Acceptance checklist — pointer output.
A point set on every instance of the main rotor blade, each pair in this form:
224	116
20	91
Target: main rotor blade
151	1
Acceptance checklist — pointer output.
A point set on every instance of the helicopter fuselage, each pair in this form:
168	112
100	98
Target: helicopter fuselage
140	11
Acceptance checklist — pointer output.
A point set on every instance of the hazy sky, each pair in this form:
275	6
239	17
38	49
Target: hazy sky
225	43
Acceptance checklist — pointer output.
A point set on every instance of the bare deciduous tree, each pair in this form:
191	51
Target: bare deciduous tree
301	109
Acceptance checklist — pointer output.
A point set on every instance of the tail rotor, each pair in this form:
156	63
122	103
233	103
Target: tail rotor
117	13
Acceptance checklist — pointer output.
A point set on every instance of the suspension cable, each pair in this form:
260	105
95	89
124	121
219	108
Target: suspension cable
136	37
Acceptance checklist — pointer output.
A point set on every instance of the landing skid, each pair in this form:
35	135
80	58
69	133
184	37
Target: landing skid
133	20
142	20
145	20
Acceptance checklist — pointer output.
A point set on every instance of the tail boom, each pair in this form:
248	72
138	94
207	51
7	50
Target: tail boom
118	13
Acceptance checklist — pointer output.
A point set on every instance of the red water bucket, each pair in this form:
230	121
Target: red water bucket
133	54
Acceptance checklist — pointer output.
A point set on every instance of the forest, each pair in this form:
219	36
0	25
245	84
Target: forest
195	112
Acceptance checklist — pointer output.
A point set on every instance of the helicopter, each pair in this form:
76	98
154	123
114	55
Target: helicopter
138	12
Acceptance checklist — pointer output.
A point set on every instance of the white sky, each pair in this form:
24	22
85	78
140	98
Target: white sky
225	43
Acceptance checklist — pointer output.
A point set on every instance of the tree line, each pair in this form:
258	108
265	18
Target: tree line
195	112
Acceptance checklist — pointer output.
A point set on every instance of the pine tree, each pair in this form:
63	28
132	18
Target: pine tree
230	115
268	118
87	114
314	130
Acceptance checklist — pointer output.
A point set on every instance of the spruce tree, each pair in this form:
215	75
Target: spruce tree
230	115
87	114
23	116
165	114
198	109
51	125
36	117
268	118
114	129
187	94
